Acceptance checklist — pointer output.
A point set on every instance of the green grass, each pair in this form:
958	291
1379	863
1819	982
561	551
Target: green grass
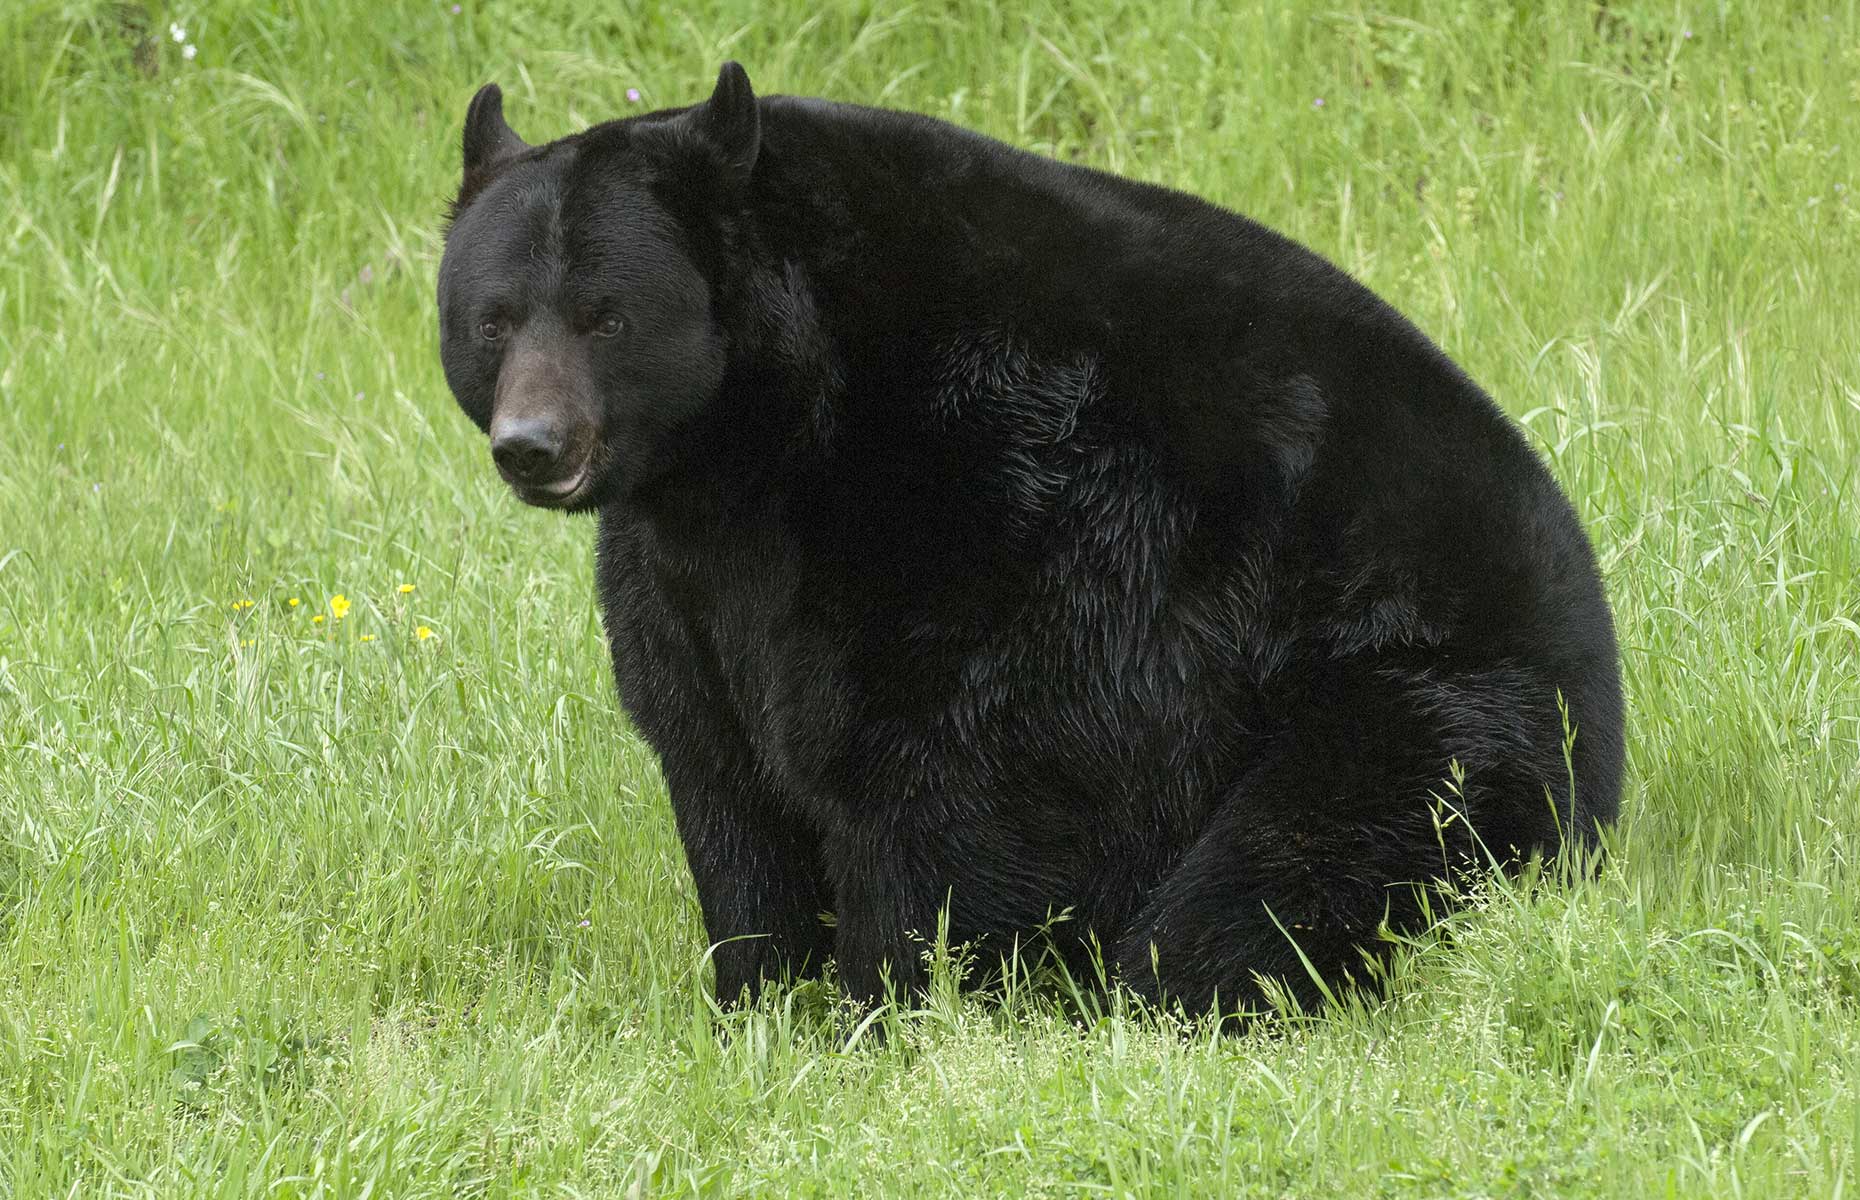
291	909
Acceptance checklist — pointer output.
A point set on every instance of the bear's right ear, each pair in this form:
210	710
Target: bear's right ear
488	139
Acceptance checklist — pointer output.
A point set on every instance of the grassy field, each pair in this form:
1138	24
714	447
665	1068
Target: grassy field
330	867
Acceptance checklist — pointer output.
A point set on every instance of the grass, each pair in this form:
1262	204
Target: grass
295	909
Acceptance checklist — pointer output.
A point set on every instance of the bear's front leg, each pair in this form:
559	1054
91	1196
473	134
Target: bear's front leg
758	876
899	882
878	948
890	894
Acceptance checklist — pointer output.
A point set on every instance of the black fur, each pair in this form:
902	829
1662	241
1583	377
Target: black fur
982	531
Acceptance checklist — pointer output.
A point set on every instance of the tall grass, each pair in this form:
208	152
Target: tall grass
295	908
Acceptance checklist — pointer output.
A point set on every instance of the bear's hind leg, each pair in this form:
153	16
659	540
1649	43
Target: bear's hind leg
1340	824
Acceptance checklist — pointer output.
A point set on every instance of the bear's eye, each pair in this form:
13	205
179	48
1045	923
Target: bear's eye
490	331
607	326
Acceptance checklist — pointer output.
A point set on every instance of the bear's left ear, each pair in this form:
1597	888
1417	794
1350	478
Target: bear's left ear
730	121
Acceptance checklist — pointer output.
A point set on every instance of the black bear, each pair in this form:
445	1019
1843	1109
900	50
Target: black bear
990	536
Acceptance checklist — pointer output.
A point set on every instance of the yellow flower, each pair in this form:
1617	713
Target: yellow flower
423	632
317	620
368	637
339	606
241	605
294	602
405	588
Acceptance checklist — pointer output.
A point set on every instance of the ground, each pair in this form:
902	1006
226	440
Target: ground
293	906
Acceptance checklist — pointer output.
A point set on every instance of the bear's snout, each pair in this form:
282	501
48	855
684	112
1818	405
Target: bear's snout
542	457
543	427
527	449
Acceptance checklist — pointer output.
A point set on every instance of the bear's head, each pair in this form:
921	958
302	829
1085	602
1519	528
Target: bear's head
578	293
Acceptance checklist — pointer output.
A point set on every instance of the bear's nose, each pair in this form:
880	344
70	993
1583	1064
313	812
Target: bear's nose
527	449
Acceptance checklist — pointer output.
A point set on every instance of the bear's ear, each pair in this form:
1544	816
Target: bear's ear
730	122
488	139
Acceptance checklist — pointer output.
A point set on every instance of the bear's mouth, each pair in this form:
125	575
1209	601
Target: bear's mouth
561	492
